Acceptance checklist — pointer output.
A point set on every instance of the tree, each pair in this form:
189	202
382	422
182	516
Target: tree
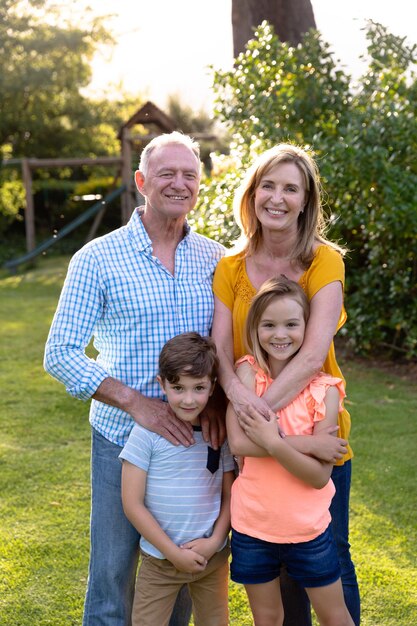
291	19
46	63
210	134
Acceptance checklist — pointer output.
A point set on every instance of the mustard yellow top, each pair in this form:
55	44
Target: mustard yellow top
232	286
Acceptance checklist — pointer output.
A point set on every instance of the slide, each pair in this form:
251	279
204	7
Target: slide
86	215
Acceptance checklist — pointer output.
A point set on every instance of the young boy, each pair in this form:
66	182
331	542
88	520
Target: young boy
178	497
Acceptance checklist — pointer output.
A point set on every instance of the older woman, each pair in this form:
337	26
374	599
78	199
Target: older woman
278	208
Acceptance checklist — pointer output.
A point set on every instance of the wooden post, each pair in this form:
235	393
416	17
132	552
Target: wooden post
29	210
126	176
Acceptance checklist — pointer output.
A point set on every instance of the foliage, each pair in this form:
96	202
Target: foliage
376	181
12	198
46	113
364	137
44	478
211	135
46	63
47	67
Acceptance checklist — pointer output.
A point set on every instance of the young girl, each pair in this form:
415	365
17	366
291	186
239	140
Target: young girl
280	501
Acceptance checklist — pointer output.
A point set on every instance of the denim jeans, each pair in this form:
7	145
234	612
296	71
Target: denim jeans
114	547
312	563
339	510
295	600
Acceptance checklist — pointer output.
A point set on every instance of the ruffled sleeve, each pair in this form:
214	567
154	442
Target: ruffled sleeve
262	380
316	392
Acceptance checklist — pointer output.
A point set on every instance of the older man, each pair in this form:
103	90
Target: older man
132	290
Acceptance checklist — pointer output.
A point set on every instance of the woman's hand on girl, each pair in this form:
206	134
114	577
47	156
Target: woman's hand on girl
247	404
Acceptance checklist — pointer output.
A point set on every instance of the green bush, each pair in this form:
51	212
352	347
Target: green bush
12	198
364	137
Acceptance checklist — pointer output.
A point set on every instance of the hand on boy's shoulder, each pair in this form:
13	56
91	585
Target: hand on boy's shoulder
213	427
163	421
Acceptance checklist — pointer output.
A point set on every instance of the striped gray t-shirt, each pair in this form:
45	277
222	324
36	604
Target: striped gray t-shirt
183	488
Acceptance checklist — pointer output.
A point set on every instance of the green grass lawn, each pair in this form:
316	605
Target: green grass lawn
44	477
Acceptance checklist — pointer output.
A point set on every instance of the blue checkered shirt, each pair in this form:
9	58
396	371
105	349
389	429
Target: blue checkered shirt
118	293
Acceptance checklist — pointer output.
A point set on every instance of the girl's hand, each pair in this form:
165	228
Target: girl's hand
248	406
327	447
259	430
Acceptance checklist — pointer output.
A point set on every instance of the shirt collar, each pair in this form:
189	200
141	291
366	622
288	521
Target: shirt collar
139	233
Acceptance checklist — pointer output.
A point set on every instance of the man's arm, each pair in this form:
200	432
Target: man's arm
80	307
151	413
133	496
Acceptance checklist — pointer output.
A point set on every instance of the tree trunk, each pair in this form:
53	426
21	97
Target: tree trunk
290	19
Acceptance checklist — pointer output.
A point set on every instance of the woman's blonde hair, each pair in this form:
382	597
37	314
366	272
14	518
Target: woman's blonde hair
278	287
311	222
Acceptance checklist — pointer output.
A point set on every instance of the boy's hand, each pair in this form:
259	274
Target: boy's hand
205	546
188	561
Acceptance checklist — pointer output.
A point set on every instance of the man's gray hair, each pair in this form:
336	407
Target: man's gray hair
167	139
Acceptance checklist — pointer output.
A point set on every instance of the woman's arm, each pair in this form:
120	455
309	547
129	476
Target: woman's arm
325	446
325	308
151	413
244	401
325	311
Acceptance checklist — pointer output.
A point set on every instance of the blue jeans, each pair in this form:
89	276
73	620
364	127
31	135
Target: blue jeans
339	510
295	600
312	563
114	548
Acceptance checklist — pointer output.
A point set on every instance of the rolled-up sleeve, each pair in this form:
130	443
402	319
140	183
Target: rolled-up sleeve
80	306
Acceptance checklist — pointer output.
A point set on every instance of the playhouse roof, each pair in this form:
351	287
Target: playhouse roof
148	114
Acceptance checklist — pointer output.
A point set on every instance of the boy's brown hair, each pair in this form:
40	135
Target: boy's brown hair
188	354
